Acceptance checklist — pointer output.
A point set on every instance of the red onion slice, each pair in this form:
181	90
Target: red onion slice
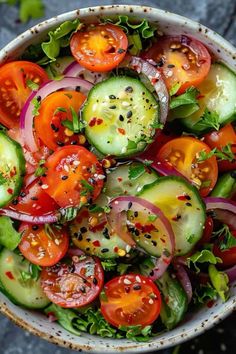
117	219
184	280
224	210
73	69
156	79
231	272
27	117
40	219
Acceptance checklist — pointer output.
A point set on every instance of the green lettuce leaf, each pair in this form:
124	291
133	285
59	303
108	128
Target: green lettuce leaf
204	293
184	105
9	237
204	256
220	282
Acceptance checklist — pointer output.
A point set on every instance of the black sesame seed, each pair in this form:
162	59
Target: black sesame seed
73	142
35	227
147	100
95	282
60	143
154	243
187	197
112	107
83	229
82	289
188	204
120	51
54	128
130	205
147	236
15	202
106	233
129	114
121	118
38	98
170	65
77	88
151	273
129	89
137	287
136	214
22	194
136	232
104	250
34	198
112	97
64	178
80	237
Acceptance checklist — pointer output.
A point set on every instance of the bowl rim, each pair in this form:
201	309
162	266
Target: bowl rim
136	10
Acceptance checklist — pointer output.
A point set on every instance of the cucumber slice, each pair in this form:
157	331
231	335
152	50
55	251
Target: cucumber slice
218	94
119	115
27	293
119	183
181	204
96	241
12	169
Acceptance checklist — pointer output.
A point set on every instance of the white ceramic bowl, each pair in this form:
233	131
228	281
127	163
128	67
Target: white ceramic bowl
194	323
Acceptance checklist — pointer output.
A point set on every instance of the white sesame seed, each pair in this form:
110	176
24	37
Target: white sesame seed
127	281
137	278
125	104
57	242
44	186
66	168
128	248
151	302
76	163
101	177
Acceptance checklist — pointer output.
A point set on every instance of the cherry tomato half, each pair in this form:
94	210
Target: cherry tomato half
73	176
75	283
15	80
43	245
130	300
183	153
220	138
99	47
228	256
33	200
183	60
54	110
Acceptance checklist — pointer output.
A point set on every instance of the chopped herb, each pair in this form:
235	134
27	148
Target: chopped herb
131	145
3	180
59	109
40	170
225	238
204	256
36	102
189	97
68	214
225	153
86	185
147	162
106	209
175	88
157	125
152	217
209	120
94	208
190	238
109	265
204	293
33	273
32	85
75	125
136	171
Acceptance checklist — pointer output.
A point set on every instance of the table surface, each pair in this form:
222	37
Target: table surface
216	14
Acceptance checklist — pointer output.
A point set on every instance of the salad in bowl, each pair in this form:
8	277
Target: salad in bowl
118	177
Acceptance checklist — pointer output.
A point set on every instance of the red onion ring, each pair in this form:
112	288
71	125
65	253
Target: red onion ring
26	117
155	77
117	220
73	69
224	210
184	280
41	219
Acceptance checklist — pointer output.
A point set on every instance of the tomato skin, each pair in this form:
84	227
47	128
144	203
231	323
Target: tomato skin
14	89
99	47
41	248
188	69
33	200
228	256
68	285
51	116
219	139
127	301
73	176
207	231
182	154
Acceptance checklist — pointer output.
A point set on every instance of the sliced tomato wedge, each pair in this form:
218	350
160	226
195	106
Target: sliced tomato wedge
16	78
182	60
183	153
43	245
219	139
73	176
99	47
33	200
130	300
228	256
75	283
56	109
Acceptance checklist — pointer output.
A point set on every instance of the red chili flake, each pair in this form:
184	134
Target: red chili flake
167	299
182	197
127	289
116	249
166	261
200	96
99	121
10	191
96	243
13	172
92	122
163	240
119	179
98	227
210	303
10	275
121	131
154	81
145	228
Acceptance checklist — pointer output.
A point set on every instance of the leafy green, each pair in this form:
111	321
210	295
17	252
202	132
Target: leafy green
36	103
40	170
225	238
136	171
204	256
32	85
3	180
152	217
9	237
109	265
59	38
27	8
174	89
86	185
68	214
137	333
220	282
76	125
184	105
33	273
204	293
225	153
209	120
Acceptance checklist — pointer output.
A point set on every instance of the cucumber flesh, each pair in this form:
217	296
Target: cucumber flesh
181	204
12	169
119	115
27	293
217	94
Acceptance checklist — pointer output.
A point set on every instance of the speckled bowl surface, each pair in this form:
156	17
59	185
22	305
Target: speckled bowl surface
194	323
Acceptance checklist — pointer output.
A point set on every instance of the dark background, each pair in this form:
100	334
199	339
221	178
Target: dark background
220	15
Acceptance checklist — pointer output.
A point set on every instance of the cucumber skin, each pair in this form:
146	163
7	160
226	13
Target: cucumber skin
22	168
